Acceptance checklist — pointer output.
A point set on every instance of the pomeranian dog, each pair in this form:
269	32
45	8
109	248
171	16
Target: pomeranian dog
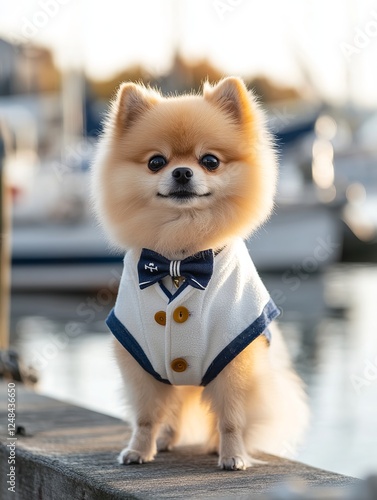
178	183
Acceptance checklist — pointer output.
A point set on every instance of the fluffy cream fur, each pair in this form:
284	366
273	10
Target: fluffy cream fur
257	401
224	121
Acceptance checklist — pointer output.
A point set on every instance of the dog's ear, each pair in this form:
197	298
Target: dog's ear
231	95
131	102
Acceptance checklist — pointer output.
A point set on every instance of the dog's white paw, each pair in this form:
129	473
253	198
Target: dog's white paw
128	456
238	462
234	463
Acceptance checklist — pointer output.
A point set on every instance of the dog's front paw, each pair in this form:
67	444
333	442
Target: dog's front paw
234	463
239	462
128	456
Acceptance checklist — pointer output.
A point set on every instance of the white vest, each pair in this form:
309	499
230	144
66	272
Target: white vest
204	329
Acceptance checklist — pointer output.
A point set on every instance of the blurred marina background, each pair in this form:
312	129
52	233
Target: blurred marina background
313	66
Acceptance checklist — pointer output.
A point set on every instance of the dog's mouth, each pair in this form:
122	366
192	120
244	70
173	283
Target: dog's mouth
183	195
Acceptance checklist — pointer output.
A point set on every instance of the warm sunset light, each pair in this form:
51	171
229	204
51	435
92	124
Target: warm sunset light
334	44
188	249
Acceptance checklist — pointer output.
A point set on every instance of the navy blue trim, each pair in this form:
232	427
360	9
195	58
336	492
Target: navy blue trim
237	345
179	291
268	335
170	295
165	290
121	333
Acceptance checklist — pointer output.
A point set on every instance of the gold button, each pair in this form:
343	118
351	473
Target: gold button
181	314
160	317
179	365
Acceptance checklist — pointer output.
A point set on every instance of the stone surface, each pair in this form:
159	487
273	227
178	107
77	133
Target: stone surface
66	452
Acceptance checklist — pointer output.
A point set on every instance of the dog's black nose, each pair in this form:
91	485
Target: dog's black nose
182	175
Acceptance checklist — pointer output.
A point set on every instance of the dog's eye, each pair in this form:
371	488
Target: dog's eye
156	163
210	162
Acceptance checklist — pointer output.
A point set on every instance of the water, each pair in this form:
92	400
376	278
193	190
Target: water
329	322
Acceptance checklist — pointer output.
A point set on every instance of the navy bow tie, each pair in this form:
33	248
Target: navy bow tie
197	269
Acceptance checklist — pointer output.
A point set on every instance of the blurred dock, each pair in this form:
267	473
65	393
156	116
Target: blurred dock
63	451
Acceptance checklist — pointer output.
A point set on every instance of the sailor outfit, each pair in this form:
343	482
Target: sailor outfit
188	337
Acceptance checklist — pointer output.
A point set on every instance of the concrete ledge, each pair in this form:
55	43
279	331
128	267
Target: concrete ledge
65	452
